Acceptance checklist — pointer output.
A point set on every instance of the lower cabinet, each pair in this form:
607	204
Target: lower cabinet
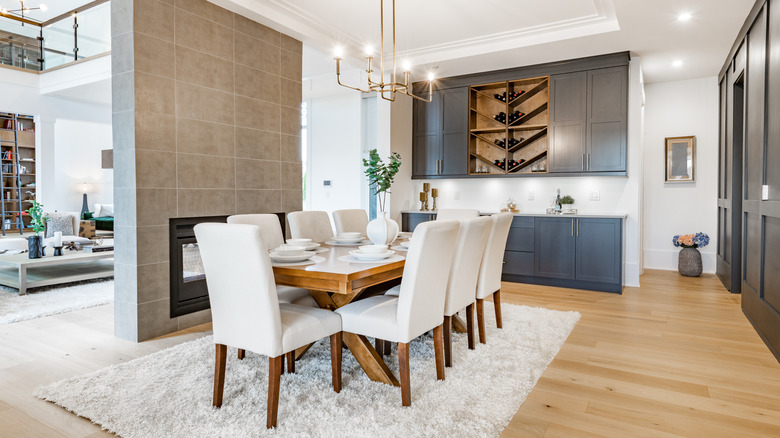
409	221
576	252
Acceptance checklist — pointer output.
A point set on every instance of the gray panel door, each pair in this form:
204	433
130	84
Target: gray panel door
455	132
607	122
426	143
566	150
599	250
554	247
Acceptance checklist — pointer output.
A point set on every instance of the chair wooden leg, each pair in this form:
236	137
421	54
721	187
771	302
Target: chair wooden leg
497	305
403	365
387	348
335	360
379	346
290	357
470	325
274	377
438	348
241	354
481	321
219	373
447	341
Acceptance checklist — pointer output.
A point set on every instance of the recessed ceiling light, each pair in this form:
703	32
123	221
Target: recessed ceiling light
685	16
677	64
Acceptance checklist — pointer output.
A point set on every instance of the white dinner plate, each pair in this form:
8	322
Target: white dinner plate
400	248
312	246
405	244
358	243
311	261
291	258
368	256
351	259
345	240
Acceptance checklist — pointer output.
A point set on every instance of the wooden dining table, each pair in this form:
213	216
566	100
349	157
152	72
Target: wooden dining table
334	283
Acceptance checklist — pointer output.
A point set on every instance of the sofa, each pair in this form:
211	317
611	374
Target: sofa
48	236
103	215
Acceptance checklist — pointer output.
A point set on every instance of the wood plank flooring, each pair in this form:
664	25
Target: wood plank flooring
675	357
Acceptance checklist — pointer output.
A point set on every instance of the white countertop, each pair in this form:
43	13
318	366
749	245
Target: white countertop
583	215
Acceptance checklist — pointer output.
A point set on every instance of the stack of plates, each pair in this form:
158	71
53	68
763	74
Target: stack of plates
291	258
360	255
343	241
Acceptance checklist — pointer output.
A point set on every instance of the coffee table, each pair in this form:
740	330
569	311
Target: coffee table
21	272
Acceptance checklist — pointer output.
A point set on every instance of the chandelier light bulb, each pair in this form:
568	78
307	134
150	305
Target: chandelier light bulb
431	76
685	16
44	8
368	50
338	52
407	65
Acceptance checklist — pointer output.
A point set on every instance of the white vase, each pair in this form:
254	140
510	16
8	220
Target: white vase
382	230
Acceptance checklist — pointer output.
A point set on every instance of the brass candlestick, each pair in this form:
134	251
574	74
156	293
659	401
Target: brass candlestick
426	188
434	194
422	201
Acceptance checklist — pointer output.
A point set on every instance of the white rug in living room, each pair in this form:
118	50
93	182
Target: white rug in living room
168	393
51	300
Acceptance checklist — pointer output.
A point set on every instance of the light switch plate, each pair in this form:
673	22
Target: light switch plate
594	195
765	192
530	196
457	194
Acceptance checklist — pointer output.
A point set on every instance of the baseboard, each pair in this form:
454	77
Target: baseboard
666	260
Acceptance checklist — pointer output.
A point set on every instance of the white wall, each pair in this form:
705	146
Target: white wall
674	109
335	152
21	93
618	195
78	157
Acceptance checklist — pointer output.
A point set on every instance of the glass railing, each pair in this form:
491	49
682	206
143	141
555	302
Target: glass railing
75	35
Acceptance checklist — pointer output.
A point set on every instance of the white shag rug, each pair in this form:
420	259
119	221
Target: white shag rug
168	393
50	300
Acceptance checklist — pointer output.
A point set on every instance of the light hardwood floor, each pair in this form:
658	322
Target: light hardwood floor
675	357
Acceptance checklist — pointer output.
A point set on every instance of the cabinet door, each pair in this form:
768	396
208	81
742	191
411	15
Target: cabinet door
426	147
607	119
554	247
599	250
454	132
411	220
567	122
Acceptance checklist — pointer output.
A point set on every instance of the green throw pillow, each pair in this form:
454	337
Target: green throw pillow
87	215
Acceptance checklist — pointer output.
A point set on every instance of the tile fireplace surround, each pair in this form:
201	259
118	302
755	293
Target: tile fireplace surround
206	121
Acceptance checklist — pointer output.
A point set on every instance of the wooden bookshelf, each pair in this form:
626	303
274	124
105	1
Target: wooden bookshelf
494	143
17	166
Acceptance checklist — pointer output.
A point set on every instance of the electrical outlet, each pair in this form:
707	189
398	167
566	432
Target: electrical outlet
530	196
457	195
594	195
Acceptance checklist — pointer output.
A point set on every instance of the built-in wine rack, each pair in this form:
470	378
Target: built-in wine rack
508	126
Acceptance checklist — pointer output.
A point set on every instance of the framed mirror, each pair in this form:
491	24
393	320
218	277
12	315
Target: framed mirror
680	159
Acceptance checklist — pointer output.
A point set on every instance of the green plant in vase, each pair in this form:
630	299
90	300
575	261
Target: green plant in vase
566	202
38	225
382	230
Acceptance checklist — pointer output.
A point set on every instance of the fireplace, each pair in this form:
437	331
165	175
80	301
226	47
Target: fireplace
188	280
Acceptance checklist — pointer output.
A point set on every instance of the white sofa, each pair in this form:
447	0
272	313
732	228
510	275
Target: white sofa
48	241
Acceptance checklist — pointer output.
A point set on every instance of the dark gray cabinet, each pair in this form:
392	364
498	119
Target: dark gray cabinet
441	135
589	121
598	248
409	221
567	122
555	256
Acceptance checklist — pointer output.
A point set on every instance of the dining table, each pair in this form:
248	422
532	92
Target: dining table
335	282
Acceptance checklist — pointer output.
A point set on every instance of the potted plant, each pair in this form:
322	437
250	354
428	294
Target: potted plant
38	224
689	261
566	203
382	230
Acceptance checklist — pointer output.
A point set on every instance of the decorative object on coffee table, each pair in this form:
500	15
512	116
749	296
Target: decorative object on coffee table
382	230
689	261
37	224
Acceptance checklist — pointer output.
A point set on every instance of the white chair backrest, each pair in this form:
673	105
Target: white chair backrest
347	221
469	250
493	261
13	244
244	306
270	228
314	225
455	214
424	282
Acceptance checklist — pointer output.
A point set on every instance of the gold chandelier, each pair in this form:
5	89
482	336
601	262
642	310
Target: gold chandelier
381	87
23	9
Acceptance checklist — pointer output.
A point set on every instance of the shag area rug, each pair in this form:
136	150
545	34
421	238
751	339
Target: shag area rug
168	393
50	300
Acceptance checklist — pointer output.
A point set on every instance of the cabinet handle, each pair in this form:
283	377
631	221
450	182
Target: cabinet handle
578	227
583	161
572	228
588	161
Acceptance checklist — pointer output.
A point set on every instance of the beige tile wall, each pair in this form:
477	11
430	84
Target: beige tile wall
206	122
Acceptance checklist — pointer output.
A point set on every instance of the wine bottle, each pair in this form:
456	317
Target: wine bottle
558	201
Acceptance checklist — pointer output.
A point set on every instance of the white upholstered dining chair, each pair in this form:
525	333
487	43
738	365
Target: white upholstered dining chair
353	220
420	304
314	225
455	214
489	282
272	236
247	314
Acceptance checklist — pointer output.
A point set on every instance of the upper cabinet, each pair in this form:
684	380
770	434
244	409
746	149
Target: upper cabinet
440	147
567	117
588	121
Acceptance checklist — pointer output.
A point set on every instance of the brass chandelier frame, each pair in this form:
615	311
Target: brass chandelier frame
383	87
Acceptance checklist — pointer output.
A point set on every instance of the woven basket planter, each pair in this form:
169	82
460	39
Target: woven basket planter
689	262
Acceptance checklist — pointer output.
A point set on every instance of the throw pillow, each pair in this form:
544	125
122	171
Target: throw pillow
86	216
107	210
98	208
63	224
